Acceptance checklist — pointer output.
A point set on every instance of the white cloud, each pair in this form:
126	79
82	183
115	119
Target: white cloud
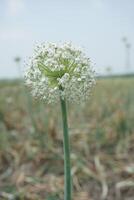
14	7
14	34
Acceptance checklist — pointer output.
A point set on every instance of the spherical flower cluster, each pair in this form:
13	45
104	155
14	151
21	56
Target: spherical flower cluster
59	70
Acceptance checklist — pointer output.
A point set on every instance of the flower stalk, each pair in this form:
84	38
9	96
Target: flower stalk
61	70
67	165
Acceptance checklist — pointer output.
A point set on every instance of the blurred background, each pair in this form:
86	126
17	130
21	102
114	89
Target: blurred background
101	131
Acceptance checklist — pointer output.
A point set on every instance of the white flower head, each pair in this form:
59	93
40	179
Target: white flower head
60	70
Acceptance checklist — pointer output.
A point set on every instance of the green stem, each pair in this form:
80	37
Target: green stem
67	166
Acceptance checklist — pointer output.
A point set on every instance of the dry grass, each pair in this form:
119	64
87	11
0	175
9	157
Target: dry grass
102	144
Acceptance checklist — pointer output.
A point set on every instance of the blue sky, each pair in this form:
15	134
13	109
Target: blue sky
97	25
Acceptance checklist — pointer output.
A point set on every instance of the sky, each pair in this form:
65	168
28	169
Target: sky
96	25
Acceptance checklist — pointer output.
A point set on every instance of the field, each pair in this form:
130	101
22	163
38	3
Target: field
102	144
